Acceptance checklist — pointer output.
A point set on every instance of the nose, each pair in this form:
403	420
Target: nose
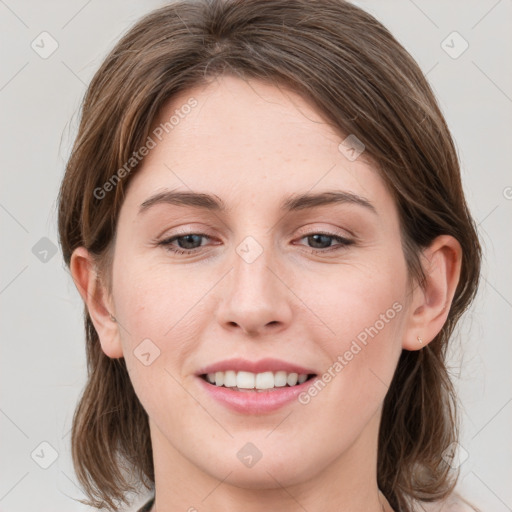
256	298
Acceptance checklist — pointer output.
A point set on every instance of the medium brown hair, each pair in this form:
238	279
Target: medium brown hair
365	83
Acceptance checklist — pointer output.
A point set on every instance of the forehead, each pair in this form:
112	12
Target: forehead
248	141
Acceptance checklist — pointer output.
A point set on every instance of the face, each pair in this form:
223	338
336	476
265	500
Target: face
257	271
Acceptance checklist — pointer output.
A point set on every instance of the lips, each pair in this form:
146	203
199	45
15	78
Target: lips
261	366
255	401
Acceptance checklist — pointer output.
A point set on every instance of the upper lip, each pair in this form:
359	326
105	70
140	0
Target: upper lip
263	365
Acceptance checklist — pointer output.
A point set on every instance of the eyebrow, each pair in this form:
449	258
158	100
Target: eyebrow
293	203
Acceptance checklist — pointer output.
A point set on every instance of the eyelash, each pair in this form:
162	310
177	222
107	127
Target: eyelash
343	242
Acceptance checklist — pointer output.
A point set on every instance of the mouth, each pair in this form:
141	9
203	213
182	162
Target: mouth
255	387
244	381
251	393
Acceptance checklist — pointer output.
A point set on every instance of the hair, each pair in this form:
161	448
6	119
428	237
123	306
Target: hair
366	84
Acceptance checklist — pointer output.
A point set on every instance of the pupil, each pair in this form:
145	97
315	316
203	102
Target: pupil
188	239
318	237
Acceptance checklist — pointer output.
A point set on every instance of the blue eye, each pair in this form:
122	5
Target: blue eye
325	238
191	242
189	239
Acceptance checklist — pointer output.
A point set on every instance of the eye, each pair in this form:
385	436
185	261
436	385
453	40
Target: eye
191	242
322	242
187	243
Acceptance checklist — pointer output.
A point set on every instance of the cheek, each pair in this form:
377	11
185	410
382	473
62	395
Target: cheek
358	300
373	312
156	301
163	315
159	320
364	313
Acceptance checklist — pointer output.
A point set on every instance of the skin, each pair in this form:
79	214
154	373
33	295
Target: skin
252	145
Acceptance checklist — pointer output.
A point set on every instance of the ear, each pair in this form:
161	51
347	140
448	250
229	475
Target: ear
99	304
430	304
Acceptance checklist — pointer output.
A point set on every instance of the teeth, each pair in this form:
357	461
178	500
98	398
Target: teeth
264	381
248	380
291	379
302	378
230	379
245	380
280	379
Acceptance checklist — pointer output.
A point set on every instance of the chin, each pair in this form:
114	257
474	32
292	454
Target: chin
268	472
258	479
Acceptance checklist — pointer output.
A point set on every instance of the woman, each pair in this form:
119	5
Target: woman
264	215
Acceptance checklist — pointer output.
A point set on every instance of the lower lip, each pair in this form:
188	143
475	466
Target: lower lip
255	402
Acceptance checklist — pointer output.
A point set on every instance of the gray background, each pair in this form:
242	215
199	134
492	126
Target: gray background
43	359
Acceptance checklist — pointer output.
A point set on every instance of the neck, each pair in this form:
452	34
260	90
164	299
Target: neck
346	483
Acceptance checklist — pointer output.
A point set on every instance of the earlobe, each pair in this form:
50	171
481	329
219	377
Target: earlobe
431	303
95	297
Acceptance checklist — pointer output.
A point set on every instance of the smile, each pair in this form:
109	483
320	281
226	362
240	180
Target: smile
248	381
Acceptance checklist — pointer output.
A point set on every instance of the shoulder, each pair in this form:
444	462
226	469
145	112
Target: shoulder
453	503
